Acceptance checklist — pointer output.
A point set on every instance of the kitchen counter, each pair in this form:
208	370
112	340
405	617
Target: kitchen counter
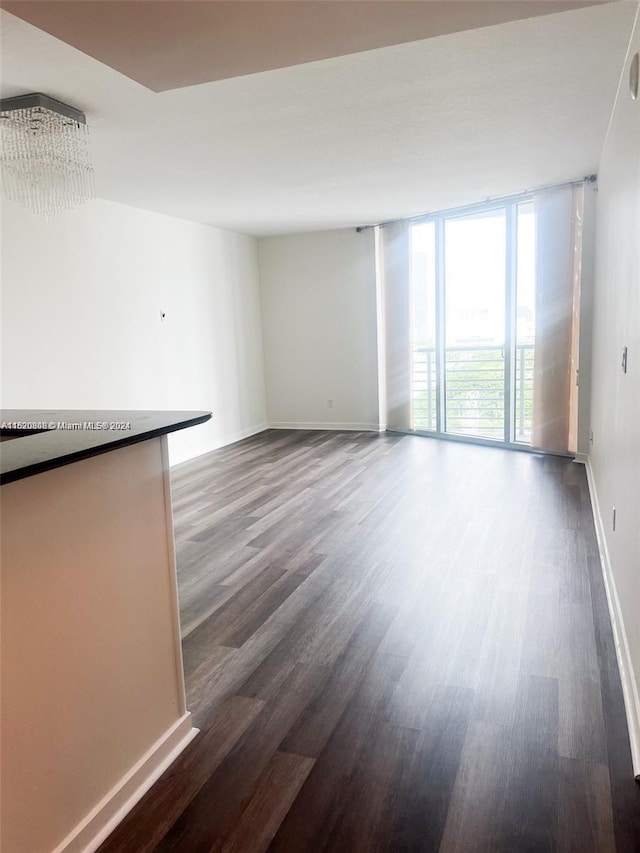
37	440
93	697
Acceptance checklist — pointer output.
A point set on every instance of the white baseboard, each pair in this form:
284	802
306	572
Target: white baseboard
328	426
229	438
627	675
582	458
243	433
103	819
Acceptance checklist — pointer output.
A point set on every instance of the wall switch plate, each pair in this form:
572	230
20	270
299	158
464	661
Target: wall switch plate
624	359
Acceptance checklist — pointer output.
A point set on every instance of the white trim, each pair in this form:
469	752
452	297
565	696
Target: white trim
173	575
327	426
581	458
238	436
230	438
627	675
103	819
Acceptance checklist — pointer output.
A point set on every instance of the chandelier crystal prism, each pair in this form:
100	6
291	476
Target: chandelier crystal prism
45	162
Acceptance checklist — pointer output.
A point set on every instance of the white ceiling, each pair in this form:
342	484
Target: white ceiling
356	139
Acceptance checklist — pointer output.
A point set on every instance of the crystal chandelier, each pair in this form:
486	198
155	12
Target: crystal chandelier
45	160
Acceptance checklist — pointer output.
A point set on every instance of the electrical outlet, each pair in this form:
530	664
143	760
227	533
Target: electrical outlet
613	520
329	404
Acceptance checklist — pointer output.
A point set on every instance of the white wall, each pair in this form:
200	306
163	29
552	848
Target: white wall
318	296
81	302
614	462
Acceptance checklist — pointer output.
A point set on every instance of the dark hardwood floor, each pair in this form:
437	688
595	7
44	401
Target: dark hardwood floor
391	643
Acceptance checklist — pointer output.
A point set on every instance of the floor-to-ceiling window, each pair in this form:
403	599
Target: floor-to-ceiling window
473	323
479	311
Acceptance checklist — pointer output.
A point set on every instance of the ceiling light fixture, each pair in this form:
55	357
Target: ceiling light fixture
45	159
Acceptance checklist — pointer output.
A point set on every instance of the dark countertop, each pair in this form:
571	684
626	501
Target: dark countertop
37	440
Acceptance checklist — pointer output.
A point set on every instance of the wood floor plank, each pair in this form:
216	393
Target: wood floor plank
457	622
202	680
476	803
541	639
312	729
505	796
253	561
234	670
418	807
202	603
501	657
276	789
318	807
363	825
213	632
586	820
529	818
582	731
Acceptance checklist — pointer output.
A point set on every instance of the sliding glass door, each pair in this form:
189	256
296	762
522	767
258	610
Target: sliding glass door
473	324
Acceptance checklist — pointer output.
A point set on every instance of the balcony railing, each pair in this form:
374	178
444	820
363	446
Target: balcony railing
474	391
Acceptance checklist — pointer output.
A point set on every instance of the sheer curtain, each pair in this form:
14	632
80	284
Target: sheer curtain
393	269
558	215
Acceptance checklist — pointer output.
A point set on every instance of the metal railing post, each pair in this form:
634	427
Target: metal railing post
429	390
520	391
